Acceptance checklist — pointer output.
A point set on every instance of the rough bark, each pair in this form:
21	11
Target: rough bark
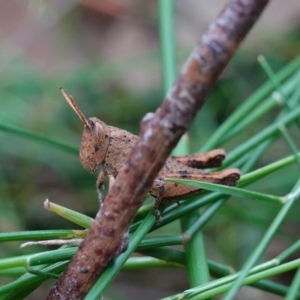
159	134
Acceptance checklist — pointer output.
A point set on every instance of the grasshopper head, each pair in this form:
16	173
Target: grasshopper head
95	138
94	144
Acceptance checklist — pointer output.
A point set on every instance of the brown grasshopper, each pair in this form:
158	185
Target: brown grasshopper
109	147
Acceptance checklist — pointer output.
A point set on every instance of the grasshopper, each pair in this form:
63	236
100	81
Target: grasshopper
108	147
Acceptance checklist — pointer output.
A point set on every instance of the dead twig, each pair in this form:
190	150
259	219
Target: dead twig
159	134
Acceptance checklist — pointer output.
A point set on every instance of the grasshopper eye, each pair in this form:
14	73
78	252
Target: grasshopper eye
91	123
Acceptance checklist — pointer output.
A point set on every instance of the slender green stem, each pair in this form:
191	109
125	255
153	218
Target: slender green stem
270	131
195	250
179	257
254	156
290	143
249	105
196	259
160	241
167	42
276	83
39	138
222	285
262	172
16	287
69	214
229	190
176	259
41	235
38	272
272	77
289	251
295	287
291	198
38	258
252	278
204	218
273	287
138	263
12	272
219	270
252	117
167	254
276	99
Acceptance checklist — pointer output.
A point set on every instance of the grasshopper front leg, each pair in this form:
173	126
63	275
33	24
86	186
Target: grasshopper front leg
99	185
159	185
100	181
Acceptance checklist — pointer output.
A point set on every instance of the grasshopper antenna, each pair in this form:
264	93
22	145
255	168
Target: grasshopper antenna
73	104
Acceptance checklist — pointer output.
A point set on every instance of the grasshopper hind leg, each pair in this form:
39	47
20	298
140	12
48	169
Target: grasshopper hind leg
211	159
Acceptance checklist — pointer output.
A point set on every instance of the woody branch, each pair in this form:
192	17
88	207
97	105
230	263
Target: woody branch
159	134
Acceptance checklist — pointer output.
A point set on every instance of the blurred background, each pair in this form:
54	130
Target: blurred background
106	54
